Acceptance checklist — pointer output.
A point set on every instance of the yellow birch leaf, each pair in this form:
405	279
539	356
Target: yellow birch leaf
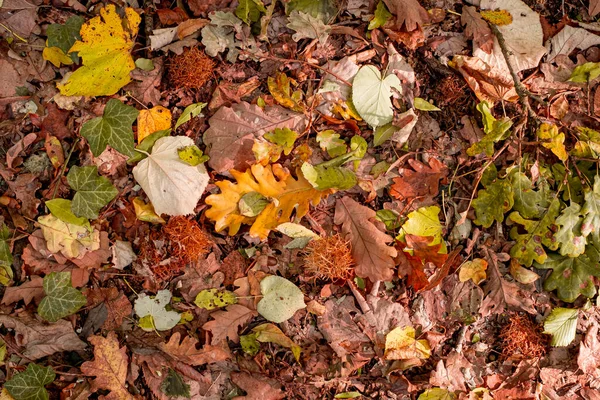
149	121
105	50
400	344
288	195
473	270
56	56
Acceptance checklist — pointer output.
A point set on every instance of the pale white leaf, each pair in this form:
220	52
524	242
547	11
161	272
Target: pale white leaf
562	325
163	320
371	95
281	299
569	39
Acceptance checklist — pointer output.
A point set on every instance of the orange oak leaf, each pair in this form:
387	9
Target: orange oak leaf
374	259
109	367
422	182
30	290
187	352
226	323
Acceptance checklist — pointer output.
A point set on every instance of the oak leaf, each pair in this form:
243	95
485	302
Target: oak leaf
188	353
109	367
374	259
28	291
423	181
477	29
105	49
226	323
256	387
117	305
407	12
287	195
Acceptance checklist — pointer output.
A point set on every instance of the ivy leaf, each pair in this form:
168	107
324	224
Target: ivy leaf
112	128
105	49
93	191
381	16
153	313
588	145
281	299
539	232
61	298
562	325
191	111
572	244
371	95
495	131
6	258
557	140
591	210
323	178
571	276
308	27
62	209
493	202
29	384
65	35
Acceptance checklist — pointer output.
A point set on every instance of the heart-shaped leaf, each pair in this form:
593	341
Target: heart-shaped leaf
281	299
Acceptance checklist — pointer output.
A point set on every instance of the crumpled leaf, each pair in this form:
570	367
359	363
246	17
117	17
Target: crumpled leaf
109	367
324	178
6	258
73	241
569	39
29	384
209	299
557	140
105	50
62	209
308	27
270	333
495	131
408	13
112	128
374	259
153	313
572	243
591	211
572	276
233	130
529	245
226	323
172	186
281	90
273	182
400	344
93	191
61	298
487	82
371	95
188	353
473	270
562	325
149	121
145	212
477	29
281	299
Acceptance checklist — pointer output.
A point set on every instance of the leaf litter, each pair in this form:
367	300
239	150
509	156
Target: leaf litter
300	199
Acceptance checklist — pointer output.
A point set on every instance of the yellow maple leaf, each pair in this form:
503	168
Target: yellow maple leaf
105	50
400	344
155	119
285	194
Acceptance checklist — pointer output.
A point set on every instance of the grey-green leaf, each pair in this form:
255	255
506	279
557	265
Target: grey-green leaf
29	384
93	191
61	298
6	257
112	128
65	35
281	299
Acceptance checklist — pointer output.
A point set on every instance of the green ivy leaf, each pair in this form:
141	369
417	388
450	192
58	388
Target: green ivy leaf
381	16
61	298
112	128
324	178
572	276
6	258
539	232
495	131
493	202
210	299
562	325
330	141
191	111
371	95
569	237
29	384
93	191
62	209
65	35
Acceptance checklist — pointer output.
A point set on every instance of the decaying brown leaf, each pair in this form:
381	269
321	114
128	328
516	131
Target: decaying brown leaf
488	83
477	29
408	13
226	323
28	291
188	353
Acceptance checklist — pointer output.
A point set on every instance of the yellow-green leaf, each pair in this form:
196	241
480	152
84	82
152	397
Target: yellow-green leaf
210	299
557	140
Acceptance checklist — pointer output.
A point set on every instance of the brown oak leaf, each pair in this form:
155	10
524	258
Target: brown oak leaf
30	290
374	259
422	182
117	304
476	28
256	387
109	367
41	340
187	352
407	12
226	323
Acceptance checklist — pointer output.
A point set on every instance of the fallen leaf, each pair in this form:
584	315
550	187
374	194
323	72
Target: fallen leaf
281	90
569	39
210	299
594	7
561	324
41	340
487	82
145	83
30	383
105	50
93	191
117	305
477	29
226	323
374	259
422	182
408	13
153	314
307	27
281	299
371	95
256	387
72	241
400	344
61	298
172	186
588	359
109	367
149	121
556	144
270	333
473	270
29	291
436	394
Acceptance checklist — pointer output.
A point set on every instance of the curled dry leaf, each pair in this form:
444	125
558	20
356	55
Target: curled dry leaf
488	83
226	323
187	351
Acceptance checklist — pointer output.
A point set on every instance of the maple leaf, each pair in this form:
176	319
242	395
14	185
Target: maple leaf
109	367
187	352
233	129
273	182
93	191
374	259
226	323
407	12
477	29
105	50
423	181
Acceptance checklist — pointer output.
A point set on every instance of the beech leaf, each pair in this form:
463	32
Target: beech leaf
562	325
281	299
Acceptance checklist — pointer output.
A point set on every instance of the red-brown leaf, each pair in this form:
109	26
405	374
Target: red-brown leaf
187	352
